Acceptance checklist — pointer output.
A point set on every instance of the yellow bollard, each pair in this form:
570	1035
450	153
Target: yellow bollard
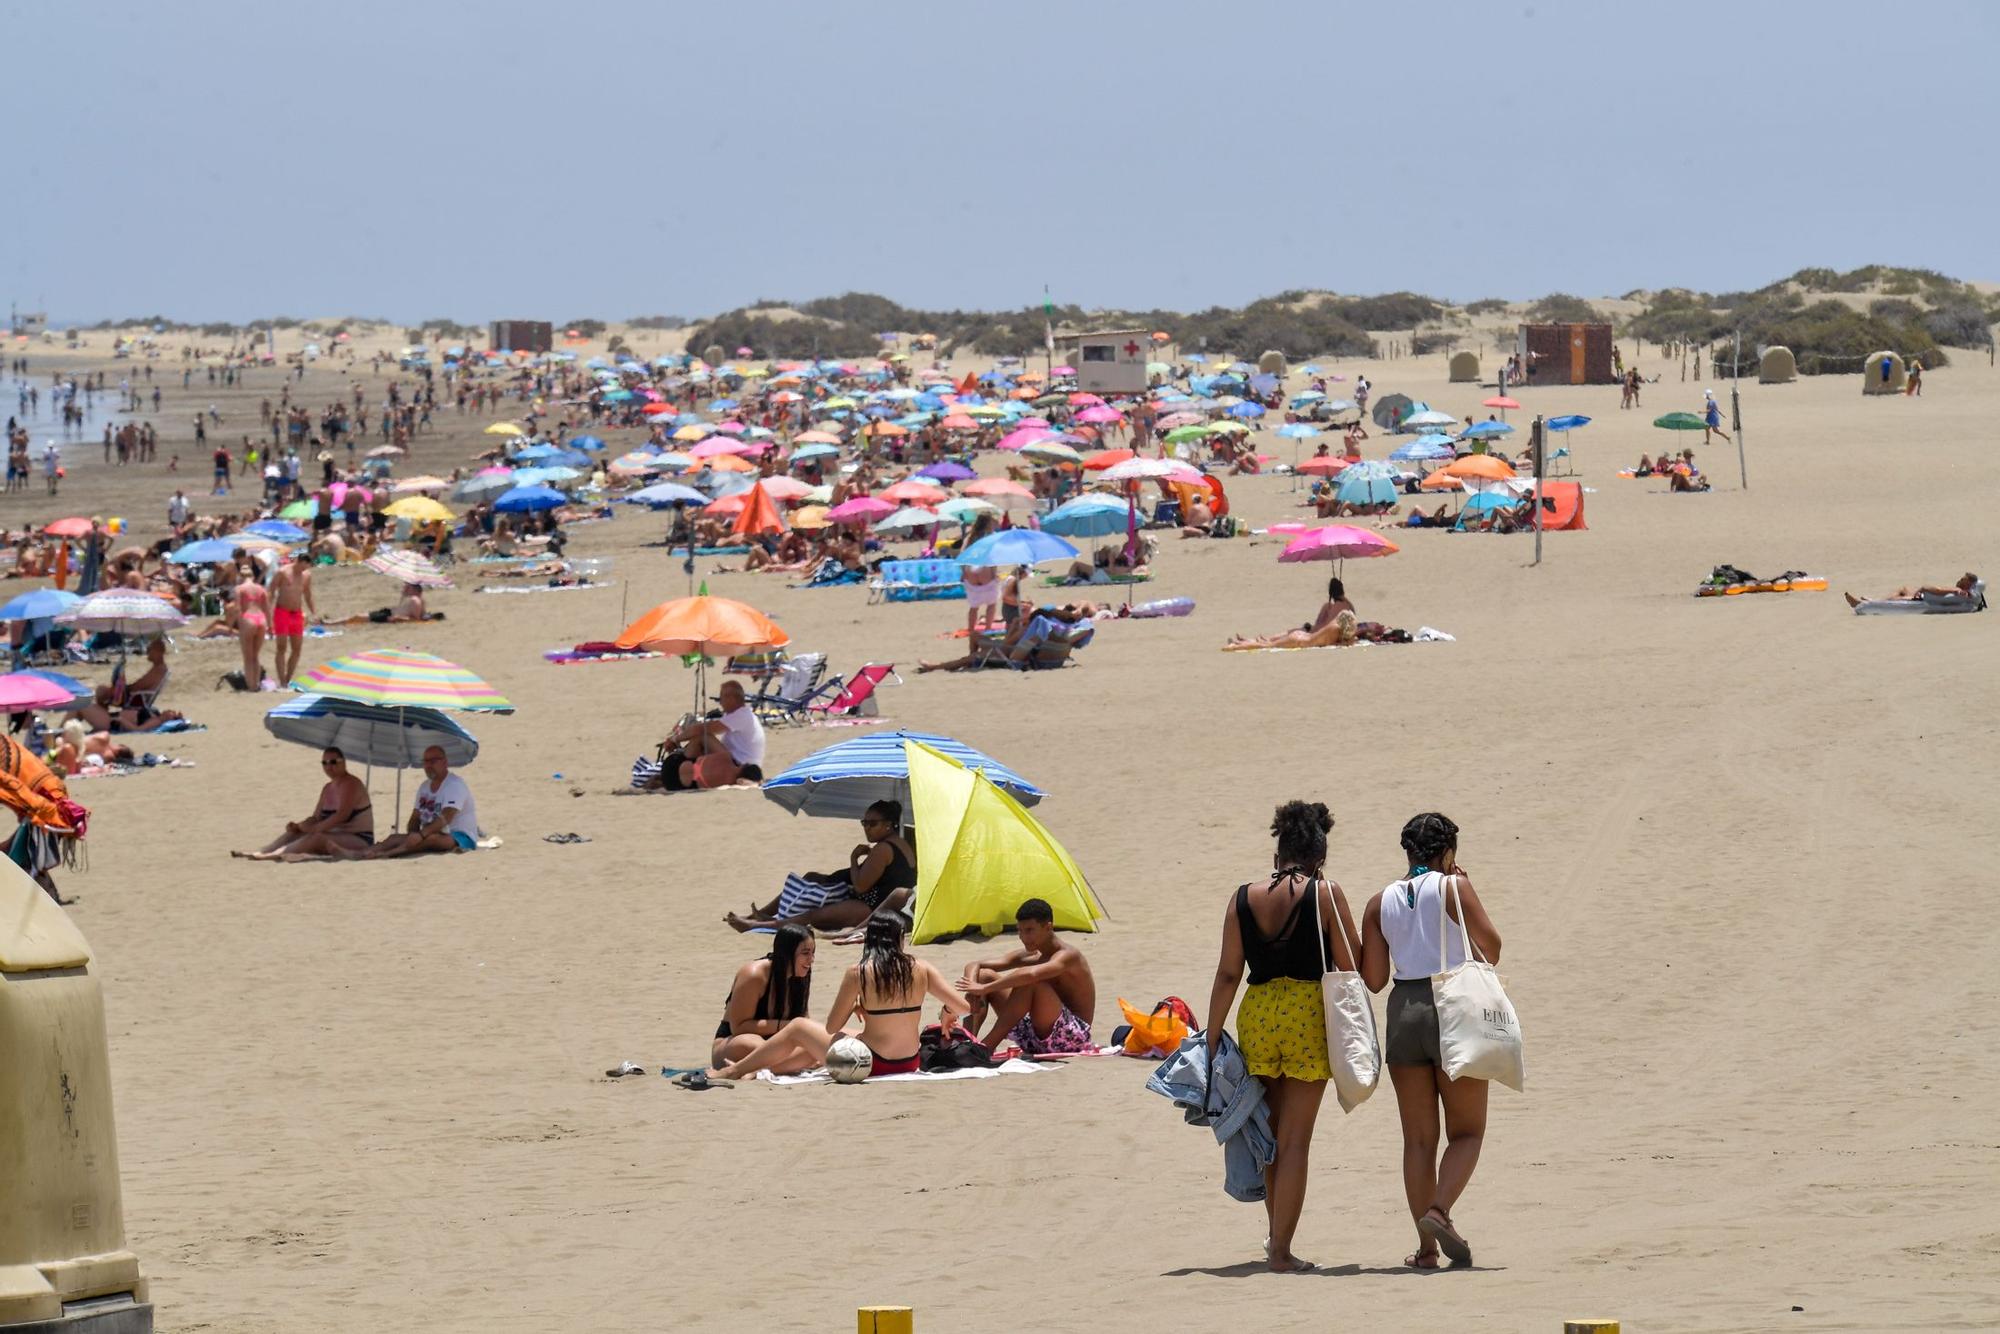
897	1320
1590	1327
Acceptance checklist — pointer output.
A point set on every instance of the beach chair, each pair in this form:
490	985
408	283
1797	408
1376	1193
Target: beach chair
1051	650
856	698
757	666
789	688
917	581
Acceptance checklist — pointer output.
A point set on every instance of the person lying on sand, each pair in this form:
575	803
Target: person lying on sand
1339	632
410	608
886	988
1042	995
82	749
342	819
1418	519
1962	589
881	873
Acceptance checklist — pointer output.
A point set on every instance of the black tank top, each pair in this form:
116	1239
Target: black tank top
1292	952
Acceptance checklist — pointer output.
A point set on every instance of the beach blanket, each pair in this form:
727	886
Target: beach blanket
125	770
1064	581
597	652
1013	1067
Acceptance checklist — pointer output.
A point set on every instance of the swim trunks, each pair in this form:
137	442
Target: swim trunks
288	623
465	841
1066	1036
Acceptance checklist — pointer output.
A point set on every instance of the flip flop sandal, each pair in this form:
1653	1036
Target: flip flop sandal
697	1081
1416	1260
1437	1225
624	1068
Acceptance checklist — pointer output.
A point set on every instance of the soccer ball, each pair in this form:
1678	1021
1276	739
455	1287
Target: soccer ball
848	1061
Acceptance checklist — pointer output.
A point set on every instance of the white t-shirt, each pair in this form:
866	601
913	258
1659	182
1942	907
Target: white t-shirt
451	793
743	736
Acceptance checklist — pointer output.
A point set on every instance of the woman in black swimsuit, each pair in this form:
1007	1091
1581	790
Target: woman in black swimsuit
886	989
342	819
881	875
766	993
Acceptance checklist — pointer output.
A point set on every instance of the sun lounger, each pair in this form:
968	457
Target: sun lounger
856	697
917	581
1053	650
794	685
1929	604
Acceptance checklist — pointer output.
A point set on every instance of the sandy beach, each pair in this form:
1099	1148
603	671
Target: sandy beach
1722	837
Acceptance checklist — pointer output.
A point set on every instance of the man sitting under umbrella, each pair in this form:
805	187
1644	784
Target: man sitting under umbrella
442	818
716	752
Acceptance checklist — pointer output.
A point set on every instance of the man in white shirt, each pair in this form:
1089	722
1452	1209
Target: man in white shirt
442	818
178	510
715	752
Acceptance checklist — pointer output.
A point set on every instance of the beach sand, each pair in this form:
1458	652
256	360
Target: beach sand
1717	835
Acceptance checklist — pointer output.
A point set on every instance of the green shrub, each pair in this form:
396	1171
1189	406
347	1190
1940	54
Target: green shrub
1487	305
1959	322
1562	308
658	322
584	328
1395	310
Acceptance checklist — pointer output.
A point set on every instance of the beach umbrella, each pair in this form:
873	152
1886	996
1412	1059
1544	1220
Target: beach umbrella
1187	435
1486	431
23	691
1088	516
394	738
1298	431
844	780
208	551
759	514
1022	437
278	530
1390	408
1100	415
477	488
1105	458
666	493
123	611
408	567
1426	419
1500	401
1423	449
78	689
1323	465
1441	481
38	604
1480	466
535	453
1569	423
75	526
786	488
1017	546
913	492
1680	421
860	509
1365	490
718	446
589	442
418	509
914	518
810	517
703	626
398	678
299	509
1152	470
1246	411
964	509
1336	542
947	471
1051	451
529	498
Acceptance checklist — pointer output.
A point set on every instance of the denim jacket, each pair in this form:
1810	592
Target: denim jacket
1234	1109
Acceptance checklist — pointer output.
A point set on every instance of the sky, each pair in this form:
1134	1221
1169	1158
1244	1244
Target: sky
223	161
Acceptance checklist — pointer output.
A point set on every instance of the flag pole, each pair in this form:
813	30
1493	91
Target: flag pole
1535	447
1736	411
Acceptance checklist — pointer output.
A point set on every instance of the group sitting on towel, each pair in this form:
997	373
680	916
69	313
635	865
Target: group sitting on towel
880	876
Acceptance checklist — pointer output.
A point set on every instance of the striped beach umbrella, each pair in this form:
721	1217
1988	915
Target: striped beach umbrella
843	780
409	567
123	611
369	734
400	678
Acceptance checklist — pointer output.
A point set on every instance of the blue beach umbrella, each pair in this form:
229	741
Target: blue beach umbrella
843	780
1089	516
394	738
1017	546
38	604
667	493
210	551
1298	431
277	530
589	442
1365	490
1246	411
528	498
1486	431
1569	423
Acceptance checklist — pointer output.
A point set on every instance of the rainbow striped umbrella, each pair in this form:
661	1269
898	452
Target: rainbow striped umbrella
398	678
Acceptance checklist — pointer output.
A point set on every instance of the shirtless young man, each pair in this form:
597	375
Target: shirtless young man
1043	995
292	594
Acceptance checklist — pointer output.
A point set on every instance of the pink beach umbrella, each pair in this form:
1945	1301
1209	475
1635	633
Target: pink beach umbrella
913	492
1100	415
731	427
785	488
860	509
714	448
1022	437
1337	542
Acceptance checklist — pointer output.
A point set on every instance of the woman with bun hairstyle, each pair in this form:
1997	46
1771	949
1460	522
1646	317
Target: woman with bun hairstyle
1400	939
1268	928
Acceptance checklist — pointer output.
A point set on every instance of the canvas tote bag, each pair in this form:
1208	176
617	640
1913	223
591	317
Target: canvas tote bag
1352	1048
1479	1036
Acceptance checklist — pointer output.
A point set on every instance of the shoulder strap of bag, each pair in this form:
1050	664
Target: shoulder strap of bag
1464	931
1353	948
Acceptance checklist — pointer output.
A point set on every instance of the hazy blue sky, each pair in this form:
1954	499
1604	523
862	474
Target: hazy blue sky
544	160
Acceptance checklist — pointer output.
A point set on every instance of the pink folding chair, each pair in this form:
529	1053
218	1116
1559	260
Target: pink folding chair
860	690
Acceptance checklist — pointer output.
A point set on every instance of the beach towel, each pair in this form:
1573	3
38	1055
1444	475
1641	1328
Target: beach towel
1012	1067
597	651
545	588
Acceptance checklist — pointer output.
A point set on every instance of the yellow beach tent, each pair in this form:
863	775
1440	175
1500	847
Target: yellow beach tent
980	854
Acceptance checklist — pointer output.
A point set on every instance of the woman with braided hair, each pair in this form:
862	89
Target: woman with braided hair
1404	935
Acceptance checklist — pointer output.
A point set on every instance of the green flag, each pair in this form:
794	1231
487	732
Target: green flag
704	588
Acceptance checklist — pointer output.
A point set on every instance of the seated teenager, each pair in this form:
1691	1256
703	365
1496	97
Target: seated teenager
1042	995
767	994
881	874
342	822
409	608
886	989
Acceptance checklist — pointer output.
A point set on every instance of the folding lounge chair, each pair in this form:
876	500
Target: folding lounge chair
855	697
1051	651
782	694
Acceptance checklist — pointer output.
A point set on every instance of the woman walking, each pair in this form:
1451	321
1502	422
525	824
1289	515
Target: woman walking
1283	930
1405	934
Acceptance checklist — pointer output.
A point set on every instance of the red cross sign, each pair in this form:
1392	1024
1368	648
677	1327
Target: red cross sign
1131	349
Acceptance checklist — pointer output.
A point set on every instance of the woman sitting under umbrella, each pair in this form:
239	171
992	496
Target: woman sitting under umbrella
342	820
881	873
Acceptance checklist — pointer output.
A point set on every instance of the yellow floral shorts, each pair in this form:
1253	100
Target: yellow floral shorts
1281	1027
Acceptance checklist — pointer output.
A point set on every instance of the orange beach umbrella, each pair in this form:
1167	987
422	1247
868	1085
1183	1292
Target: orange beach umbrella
707	625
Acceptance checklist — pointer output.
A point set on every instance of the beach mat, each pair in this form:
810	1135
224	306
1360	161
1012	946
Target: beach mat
1013	1067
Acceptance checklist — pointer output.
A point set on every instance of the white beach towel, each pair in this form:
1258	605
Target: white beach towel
1015	1067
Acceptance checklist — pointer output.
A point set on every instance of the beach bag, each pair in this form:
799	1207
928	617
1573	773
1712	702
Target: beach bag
1479	1036
1352	1048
